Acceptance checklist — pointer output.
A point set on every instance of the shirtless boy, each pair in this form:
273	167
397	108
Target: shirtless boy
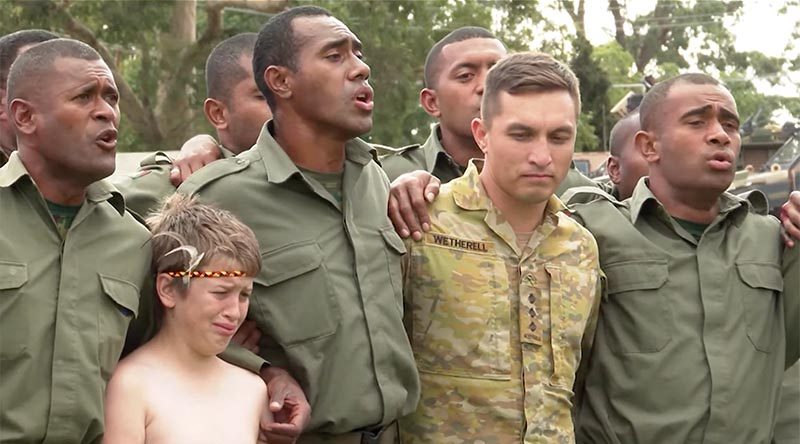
174	389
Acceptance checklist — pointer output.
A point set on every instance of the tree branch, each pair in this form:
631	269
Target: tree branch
139	116
619	22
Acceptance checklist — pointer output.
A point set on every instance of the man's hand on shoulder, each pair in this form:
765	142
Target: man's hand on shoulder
409	197
196	153
288	412
790	219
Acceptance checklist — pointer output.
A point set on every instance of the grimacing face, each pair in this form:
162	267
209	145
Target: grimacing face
528	144
210	310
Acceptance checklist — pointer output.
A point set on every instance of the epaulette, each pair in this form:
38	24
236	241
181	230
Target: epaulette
759	203
157	158
384	151
215	171
570	195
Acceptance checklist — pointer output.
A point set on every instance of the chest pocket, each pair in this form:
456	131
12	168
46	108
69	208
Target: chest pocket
762	281
460	313
14	332
119	306
297	303
635	318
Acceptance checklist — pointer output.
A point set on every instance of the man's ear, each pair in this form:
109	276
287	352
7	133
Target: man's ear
23	116
279	81
167	290
430	102
612	168
480	133
647	144
216	113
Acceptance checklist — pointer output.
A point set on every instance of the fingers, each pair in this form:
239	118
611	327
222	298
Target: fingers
432	189
406	209
248	336
397	220
790	220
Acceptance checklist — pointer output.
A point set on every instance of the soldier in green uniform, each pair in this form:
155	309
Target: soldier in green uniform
72	260
11	46
235	107
502	292
625	164
329	297
700	317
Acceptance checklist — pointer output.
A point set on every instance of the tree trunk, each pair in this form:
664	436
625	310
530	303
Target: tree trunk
172	109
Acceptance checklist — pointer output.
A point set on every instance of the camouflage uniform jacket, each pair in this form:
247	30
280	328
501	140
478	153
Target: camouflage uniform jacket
497	332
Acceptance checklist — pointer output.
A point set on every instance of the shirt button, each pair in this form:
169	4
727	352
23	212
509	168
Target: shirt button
531	298
239	161
532	311
532	326
12	272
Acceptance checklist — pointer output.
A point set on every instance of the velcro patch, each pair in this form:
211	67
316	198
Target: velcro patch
457	243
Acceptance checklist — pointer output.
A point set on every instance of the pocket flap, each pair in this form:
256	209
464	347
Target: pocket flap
393	240
123	293
12	275
761	275
636	275
289	261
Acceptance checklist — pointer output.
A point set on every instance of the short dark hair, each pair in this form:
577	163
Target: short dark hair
528	72
432	65
29	68
11	44
655	97
223	70
278	46
621	132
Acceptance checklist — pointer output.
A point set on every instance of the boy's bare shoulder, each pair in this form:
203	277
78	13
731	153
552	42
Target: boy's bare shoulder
243	379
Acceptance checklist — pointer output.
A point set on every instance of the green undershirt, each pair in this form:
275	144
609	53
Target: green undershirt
693	228
332	182
63	215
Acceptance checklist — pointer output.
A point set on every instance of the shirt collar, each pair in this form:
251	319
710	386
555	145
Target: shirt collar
434	151
280	167
97	192
469	194
729	205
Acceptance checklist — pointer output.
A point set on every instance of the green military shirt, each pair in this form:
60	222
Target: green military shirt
3	157
787	427
65	305
329	296
145	189
693	335
429	156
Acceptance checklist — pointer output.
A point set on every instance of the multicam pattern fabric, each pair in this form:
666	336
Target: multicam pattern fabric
497	331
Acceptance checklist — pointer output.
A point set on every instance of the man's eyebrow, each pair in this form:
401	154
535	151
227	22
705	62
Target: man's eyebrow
472	65
562	129
697	112
516	126
728	114
342	42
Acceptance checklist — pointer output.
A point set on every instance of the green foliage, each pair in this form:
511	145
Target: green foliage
397	35
594	86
